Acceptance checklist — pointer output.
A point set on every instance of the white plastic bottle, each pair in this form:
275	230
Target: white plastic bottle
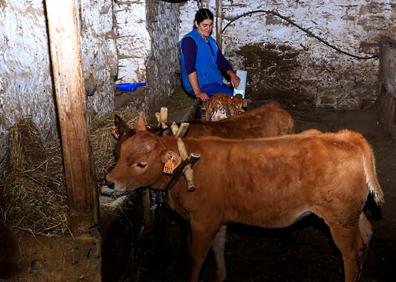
240	90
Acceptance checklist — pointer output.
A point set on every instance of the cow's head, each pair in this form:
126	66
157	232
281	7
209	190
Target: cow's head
141	160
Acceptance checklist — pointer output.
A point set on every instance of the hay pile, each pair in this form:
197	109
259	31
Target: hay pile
33	195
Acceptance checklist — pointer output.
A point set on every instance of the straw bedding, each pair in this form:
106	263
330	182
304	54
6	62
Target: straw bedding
32	191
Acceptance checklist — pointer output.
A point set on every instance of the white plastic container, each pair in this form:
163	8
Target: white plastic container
240	90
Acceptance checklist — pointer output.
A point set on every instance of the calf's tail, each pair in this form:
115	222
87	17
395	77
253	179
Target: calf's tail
371	175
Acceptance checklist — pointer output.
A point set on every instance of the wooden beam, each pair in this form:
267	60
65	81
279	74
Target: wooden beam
70	98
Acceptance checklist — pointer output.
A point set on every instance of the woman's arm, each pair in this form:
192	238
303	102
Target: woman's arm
189	48
225	67
193	79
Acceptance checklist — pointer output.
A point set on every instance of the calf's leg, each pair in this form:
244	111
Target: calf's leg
366	230
218	250
352	247
201	238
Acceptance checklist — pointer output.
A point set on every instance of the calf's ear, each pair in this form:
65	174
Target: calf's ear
246	102
141	122
121	128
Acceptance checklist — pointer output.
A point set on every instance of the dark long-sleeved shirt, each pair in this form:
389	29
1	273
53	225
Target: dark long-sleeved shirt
189	48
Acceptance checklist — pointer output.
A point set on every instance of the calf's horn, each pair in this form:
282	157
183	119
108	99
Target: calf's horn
157	116
141	122
174	128
164	117
182	130
187	171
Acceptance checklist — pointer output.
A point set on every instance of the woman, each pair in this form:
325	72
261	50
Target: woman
202	63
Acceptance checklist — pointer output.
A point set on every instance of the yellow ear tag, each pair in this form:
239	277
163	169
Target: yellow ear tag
171	164
115	132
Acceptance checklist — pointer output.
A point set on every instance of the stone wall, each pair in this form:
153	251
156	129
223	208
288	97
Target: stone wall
163	71
137	40
133	40
282	60
121	41
147	44
25	84
99	54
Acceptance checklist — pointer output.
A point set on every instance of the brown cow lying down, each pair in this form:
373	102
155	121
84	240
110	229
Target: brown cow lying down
267	182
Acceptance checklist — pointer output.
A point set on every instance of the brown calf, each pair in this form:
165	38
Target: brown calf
267	120
267	182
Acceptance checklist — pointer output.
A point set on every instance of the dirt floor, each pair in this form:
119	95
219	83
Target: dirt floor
132	251
26	257
302	252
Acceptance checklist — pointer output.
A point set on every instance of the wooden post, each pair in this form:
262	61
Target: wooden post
219	25
386	101
70	97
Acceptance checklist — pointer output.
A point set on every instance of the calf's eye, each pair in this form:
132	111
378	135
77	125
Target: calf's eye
141	164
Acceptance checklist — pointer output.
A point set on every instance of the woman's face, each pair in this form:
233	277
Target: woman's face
205	27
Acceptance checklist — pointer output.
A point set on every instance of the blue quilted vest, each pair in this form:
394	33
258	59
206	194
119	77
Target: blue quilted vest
207	69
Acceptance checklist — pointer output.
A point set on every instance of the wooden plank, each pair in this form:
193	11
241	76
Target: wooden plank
71	106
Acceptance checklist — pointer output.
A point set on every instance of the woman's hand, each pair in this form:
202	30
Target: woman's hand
193	79
202	96
235	80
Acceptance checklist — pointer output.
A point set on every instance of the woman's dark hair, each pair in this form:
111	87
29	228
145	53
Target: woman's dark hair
203	14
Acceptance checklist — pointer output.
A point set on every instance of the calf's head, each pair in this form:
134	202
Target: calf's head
222	106
141	161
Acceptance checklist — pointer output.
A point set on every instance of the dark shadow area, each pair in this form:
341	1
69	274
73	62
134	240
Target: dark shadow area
133	251
8	253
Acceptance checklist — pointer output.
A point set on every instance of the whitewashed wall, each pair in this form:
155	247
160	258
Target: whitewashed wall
187	13
25	83
137	40
163	63
147	43
318	73
133	40
99	53
25	79
121	41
